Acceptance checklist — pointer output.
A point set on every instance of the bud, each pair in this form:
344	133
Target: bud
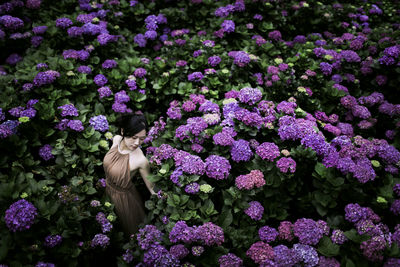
303	77
328	57
306	5
103	144
285	152
381	200
111	218
108	135
278	60
23	119
228	100
301	89
95	20
24	195
206	188
225	71
204	89
375	163
107	204
290	64
70	73
165	74
116	27
253	57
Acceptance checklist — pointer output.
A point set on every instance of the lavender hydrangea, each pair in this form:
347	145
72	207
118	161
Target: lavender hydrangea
230	260
100	240
268	151
255	210
217	167
250	95
45	152
307	231
52	240
99	123
268	234
68	110
286	164
20	215
241	151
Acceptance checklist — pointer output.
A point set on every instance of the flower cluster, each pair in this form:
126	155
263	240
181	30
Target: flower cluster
20	215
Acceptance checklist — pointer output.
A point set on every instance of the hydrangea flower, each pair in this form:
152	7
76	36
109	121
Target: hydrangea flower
99	123
217	167
255	210
20	215
45	152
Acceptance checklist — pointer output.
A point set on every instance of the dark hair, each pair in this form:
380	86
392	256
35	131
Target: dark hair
131	123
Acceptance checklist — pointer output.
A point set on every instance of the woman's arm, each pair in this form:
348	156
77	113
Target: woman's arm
144	172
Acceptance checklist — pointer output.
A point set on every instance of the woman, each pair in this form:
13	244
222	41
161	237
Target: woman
122	162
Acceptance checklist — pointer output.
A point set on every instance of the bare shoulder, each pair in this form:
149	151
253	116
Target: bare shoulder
116	139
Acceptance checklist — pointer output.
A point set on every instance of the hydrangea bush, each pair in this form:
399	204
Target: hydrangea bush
275	138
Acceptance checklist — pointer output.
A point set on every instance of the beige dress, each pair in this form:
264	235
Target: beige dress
119	187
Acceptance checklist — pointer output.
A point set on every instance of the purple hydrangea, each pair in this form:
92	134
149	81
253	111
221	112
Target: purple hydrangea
104	91
11	23
52	240
149	236
228	26
354	213
268	234
338	237
75	125
230	260
217	167
100	240
260	252
223	139
214	60
99	123
45	78
210	234
195	76
179	251
250	95
307	254
241	150
140	72
268	151
193	164
45	152
240	58
285	256
181	233
84	69
100	80
307	231
20	215
68	110
63	23
192	188
286	164
109	64
255	210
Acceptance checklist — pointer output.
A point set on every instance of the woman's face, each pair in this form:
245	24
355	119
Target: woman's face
135	141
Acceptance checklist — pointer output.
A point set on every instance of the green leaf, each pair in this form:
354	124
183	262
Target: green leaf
327	248
355	237
153	178
83	144
225	219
